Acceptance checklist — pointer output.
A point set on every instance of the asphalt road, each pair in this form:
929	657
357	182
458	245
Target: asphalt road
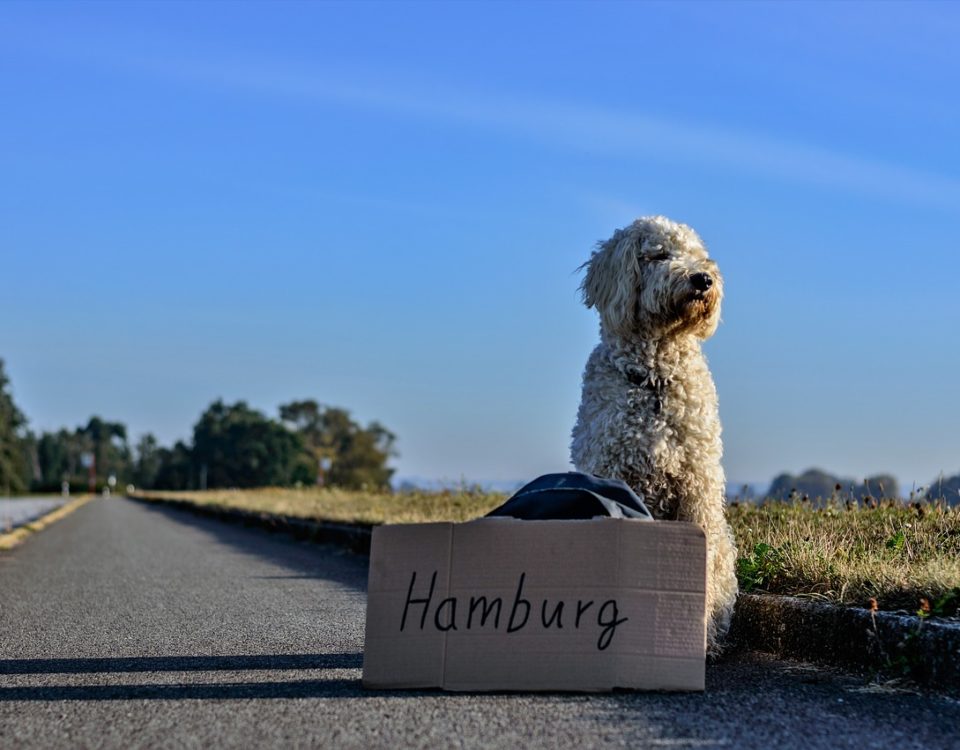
131	626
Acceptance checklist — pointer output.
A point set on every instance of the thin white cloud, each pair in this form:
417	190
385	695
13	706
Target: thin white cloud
604	132
621	134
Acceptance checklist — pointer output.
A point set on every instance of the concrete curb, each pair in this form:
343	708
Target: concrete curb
883	643
15	537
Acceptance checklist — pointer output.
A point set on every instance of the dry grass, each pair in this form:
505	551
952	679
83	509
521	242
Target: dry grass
352	507
896	554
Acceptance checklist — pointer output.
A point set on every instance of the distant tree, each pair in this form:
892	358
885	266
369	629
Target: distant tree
110	449
881	485
358	456
175	468
305	417
148	461
815	483
31	461
14	468
59	458
818	484
946	489
233	446
54	457
236	446
58	455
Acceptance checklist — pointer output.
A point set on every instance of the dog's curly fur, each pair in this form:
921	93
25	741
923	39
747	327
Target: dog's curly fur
648	414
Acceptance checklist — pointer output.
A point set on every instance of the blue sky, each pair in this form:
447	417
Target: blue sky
383	207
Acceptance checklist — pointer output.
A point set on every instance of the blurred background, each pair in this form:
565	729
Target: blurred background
373	215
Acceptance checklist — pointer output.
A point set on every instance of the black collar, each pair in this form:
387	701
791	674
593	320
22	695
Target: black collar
653	387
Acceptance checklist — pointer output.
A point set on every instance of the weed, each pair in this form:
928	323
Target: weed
896	542
761	567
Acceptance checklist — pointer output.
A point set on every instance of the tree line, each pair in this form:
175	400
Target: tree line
819	484
233	445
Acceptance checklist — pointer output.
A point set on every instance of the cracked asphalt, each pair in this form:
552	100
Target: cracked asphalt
126	625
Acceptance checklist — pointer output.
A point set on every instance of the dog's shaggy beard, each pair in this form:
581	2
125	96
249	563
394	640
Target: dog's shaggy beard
668	304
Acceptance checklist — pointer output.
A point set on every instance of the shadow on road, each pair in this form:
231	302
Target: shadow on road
216	690
205	691
181	663
310	560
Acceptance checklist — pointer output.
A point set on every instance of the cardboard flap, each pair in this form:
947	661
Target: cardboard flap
409	570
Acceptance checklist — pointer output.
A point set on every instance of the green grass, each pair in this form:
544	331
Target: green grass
898	555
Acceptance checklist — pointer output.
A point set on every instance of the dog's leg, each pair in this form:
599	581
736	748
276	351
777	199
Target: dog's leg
721	593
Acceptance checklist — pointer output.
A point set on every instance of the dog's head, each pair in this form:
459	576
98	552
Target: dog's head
653	279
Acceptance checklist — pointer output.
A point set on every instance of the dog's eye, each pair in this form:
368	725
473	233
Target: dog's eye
659	257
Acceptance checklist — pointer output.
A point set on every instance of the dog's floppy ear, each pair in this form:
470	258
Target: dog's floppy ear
610	286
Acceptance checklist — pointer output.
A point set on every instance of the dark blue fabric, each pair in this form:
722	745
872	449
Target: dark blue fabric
572	496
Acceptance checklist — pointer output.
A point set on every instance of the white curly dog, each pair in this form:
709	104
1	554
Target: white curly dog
648	414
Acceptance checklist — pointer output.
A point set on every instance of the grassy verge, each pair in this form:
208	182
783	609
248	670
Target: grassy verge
351	507
900	556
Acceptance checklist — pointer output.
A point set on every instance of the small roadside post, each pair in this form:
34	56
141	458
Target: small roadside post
323	465
89	461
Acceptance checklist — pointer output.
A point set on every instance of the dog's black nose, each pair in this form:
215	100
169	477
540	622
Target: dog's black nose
701	281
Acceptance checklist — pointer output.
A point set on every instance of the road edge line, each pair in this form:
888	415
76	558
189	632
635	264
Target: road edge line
16	537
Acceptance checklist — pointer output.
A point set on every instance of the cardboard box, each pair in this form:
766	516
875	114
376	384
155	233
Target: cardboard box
504	604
